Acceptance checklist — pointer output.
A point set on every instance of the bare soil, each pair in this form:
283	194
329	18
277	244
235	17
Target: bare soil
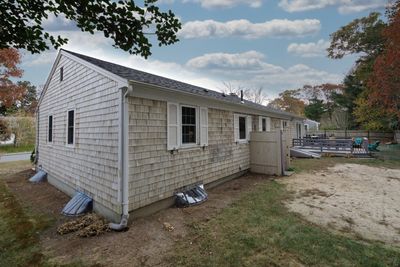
352	198
146	242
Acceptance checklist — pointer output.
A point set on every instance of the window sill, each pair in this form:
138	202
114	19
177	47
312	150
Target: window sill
189	147
243	141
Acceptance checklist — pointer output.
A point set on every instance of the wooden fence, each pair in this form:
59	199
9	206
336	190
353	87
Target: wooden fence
348	134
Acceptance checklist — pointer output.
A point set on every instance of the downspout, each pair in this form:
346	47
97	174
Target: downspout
123	160
37	139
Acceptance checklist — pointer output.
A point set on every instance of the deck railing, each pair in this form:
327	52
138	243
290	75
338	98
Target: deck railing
331	145
325	144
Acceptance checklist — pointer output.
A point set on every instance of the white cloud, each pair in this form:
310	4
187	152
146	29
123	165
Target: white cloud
344	6
246	29
59	23
309	49
226	3
250	69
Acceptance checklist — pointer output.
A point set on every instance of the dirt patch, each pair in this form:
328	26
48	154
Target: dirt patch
145	243
351	198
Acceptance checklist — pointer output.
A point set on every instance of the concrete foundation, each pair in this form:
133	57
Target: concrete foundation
141	212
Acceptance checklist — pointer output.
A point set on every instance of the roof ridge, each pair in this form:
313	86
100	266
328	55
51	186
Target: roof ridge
153	79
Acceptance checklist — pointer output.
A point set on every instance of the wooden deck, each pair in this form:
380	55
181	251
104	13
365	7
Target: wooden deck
341	147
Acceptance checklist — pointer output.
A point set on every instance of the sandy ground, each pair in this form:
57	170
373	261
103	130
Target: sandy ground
353	198
147	241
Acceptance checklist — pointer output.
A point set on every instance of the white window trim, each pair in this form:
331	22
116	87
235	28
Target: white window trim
248	128
268	123
283	128
52	131
66	129
245	128
189	145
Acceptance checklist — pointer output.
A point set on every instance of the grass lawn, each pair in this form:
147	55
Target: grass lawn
11	149
20	227
258	230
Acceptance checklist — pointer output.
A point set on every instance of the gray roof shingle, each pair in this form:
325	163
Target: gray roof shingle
148	78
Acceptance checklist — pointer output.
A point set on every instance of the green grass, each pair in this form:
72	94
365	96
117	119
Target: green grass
20	226
12	149
258	230
19	232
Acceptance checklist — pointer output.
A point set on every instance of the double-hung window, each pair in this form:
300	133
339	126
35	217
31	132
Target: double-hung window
50	130
264	124
189	125
71	127
242	127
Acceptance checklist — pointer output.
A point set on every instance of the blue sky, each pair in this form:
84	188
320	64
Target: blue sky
275	45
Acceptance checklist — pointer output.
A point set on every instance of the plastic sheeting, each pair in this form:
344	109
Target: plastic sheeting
78	205
40	176
191	197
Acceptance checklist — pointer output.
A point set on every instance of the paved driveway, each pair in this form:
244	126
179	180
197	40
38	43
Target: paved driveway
15	156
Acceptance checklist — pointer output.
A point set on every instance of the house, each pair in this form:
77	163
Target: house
311	125
130	139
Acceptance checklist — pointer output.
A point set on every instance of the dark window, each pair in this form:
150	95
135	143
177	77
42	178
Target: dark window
70	127
61	74
264	124
50	133
242	128
188	125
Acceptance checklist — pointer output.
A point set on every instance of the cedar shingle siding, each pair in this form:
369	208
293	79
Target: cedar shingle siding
91	164
155	173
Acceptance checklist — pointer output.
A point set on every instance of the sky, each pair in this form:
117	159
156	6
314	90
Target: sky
272	44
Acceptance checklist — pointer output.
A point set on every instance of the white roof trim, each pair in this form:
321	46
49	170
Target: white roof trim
121	81
264	112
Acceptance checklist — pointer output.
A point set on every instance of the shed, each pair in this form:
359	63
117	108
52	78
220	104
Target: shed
130	139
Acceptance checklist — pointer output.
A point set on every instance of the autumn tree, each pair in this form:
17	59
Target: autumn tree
363	37
10	93
289	101
29	102
128	24
384	82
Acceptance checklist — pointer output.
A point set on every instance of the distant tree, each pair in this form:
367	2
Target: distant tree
362	35
5	130
29	102
289	101
314	109
255	95
370	117
229	89
126	23
384	82
10	93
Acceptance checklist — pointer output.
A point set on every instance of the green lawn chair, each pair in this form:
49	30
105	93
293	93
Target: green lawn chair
374	146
